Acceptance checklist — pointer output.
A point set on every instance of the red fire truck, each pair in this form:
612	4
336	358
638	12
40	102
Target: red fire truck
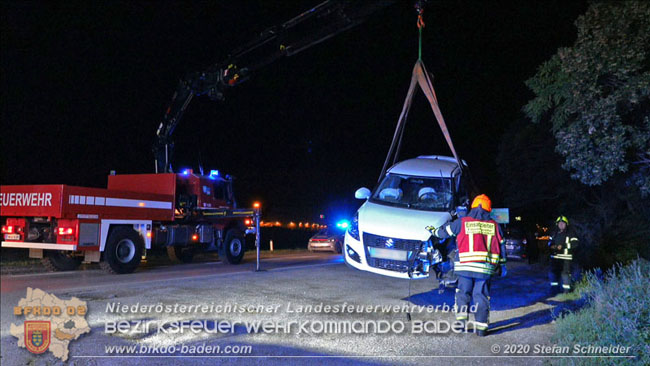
65	225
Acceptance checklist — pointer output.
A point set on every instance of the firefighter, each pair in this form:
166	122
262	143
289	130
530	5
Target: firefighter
481	251
563	246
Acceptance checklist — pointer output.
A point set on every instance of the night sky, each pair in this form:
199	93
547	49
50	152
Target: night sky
85	85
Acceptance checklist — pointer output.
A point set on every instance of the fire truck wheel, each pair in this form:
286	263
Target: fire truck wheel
60	260
180	254
123	251
235	246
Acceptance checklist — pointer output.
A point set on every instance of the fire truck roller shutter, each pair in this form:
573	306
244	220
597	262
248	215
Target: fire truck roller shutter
123	250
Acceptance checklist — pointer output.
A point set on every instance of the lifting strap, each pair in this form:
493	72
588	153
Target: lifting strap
420	77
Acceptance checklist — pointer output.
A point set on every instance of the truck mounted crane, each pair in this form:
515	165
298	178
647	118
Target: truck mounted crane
311	27
184	212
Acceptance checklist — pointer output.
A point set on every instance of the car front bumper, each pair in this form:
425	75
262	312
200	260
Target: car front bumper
322	246
355	256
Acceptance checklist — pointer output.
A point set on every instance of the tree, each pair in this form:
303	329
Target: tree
533	182
597	96
591	114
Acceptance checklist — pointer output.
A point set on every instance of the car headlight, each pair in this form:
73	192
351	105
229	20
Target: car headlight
353	230
352	254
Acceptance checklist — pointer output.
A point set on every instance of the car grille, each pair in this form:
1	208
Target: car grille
388	264
378	241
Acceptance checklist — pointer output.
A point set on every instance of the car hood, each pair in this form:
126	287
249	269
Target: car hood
396	222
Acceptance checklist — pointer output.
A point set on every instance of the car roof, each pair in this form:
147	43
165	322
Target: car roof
427	166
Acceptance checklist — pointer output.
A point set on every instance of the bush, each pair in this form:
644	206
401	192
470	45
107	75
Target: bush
617	313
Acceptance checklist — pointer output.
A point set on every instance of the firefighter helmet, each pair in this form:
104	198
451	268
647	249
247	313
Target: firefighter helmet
484	201
562	218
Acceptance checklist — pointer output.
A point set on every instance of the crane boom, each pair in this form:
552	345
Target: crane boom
309	28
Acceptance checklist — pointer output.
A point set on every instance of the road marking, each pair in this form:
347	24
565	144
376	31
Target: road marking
212	275
303	266
45	274
55	274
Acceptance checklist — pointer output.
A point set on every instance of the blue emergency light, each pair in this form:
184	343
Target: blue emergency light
343	224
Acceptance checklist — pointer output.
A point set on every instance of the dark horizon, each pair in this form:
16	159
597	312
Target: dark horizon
84	88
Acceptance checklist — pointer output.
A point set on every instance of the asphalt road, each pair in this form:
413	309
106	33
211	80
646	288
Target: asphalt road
521	314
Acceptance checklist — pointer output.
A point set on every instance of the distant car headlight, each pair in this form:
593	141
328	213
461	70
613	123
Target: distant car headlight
353	229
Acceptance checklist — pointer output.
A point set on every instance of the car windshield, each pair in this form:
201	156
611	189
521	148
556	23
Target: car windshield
323	232
430	194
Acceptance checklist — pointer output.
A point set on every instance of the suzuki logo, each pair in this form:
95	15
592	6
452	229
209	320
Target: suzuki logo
390	243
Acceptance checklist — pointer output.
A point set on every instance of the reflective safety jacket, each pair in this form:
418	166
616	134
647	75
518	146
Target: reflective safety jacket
481	247
567	243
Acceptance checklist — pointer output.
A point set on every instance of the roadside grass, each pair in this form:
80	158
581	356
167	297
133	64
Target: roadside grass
580	290
20	263
617	313
17	261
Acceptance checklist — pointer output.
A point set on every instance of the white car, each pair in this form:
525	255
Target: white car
387	235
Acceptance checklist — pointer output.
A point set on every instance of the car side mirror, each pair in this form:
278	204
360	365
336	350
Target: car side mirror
362	193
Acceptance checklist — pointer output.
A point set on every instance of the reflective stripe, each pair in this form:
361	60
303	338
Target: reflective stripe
567	257
555	283
479	254
474	264
485	268
481	326
449	231
485	254
471	242
474	270
461	317
479	257
489	242
568	287
123	202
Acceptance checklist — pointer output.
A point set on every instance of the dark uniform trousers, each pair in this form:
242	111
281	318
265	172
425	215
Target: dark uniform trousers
479	290
560	273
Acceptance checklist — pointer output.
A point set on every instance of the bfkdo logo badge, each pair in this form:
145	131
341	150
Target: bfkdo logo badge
37	335
50	323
